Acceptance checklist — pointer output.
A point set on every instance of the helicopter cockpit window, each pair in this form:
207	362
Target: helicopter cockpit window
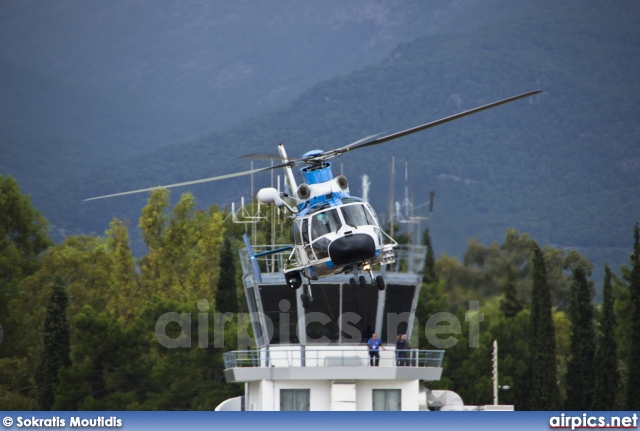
305	231
296	237
371	214
357	215
324	223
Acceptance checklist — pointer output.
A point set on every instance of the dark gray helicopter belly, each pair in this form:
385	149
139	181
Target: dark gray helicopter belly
352	249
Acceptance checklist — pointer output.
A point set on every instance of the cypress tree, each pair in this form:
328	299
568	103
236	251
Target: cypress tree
543	393
56	345
580	369
226	297
428	273
606	372
633	366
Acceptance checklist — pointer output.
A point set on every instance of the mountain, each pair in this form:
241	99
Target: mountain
115	78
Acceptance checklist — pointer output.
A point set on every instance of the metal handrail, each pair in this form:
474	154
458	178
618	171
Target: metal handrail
408	258
297	357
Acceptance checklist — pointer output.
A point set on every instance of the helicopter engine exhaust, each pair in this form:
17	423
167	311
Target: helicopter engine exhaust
304	191
342	182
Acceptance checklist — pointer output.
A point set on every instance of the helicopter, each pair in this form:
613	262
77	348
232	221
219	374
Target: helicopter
332	232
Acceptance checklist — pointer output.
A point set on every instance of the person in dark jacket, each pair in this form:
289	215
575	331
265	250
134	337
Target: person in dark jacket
401	346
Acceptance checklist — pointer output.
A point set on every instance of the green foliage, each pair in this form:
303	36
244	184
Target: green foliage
182	262
428	273
633	363
541	366
22	227
510	306
506	264
537	312
106	369
23	237
17	389
123	367
123	279
56	345
226	294
607	376
116	362
580	393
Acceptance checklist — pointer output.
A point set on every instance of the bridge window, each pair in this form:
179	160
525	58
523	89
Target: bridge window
295	400
387	400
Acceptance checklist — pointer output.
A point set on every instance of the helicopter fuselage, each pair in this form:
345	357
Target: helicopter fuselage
332	232
338	236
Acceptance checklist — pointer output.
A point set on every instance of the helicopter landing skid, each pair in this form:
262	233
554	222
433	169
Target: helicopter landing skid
377	281
306	296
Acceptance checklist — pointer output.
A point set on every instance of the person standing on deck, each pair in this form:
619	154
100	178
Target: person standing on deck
374	345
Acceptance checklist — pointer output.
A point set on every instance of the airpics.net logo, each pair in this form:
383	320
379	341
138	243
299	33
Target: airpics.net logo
586	421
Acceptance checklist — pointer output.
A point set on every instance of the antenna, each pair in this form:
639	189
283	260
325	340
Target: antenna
495	372
409	218
365	187
408	210
391	202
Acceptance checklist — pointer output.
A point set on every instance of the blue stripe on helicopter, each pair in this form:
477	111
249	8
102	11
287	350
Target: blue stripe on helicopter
333	199
312	273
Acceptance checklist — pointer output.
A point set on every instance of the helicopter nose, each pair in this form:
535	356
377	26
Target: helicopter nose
352	249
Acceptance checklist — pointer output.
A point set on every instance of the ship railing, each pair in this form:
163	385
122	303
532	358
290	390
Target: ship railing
296	357
408	258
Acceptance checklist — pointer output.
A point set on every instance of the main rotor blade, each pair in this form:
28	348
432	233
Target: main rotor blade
364	142
187	183
261	156
422	127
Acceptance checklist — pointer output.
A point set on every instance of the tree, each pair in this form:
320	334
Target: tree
510	306
110	364
21	225
152	225
428	273
633	364
56	345
226	296
607	376
543	393
580	369
184	245
23	238
126	294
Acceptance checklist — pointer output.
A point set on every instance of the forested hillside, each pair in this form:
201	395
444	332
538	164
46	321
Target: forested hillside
83	324
562	166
